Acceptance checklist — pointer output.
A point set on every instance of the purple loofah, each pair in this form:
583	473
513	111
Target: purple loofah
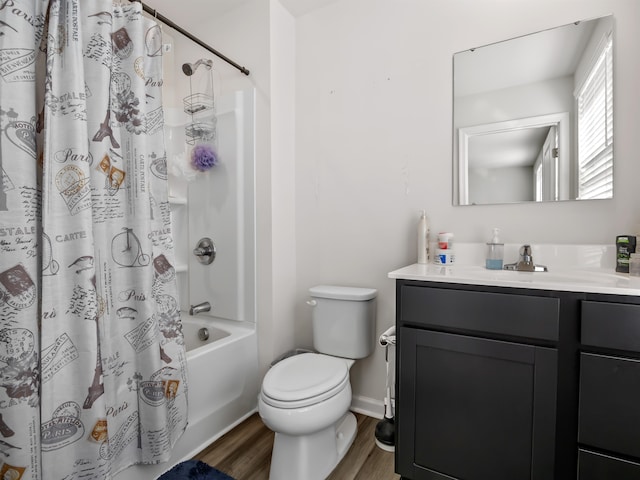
203	157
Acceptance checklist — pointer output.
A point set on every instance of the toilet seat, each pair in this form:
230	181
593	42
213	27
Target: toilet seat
304	380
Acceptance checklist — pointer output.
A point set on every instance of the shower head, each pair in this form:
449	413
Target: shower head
190	68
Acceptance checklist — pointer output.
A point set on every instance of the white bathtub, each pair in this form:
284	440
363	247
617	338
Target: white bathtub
193	327
223	387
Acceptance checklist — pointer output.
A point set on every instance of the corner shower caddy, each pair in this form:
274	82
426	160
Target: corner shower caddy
200	106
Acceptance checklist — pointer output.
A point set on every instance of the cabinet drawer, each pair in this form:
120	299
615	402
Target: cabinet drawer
507	314
594	466
609	412
611	325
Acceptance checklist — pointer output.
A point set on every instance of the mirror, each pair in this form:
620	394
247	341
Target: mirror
533	117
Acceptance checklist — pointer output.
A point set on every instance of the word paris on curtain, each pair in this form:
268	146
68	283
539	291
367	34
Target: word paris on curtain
92	358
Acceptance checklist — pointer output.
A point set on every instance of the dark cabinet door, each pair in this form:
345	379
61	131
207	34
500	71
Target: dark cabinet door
474	409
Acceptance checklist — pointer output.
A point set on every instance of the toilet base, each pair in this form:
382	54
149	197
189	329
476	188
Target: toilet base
313	456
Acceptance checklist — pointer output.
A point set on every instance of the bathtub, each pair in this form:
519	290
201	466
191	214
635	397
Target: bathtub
223	387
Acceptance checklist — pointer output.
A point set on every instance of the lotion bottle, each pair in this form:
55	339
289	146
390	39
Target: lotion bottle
423	239
495	252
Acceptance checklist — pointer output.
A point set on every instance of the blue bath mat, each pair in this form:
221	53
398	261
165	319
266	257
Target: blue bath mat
194	470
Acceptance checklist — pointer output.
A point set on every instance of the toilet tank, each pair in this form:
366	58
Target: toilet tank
344	320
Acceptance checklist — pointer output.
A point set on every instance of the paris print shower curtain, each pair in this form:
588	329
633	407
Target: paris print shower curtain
92	360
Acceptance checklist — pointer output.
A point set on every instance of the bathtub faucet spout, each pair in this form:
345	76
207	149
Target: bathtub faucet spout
201	307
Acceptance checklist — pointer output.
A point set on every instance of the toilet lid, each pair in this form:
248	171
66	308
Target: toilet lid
304	379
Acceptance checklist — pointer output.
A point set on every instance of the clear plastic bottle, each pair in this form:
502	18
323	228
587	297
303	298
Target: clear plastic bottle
423	239
495	252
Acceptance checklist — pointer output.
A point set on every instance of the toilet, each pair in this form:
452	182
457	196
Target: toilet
305	398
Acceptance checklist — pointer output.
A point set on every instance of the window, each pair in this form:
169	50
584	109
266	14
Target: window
595	127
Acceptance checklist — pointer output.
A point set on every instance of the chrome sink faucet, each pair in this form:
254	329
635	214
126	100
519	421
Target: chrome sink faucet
525	263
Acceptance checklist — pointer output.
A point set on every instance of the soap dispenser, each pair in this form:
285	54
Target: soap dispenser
495	252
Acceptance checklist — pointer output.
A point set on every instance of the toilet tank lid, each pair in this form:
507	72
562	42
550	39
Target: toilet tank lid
343	293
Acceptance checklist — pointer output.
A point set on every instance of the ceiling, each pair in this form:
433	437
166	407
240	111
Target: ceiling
297	8
515	148
552	53
196	9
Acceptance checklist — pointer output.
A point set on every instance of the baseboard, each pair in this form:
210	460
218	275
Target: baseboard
367	406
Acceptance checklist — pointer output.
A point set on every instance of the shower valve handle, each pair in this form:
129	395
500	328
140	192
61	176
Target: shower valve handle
205	251
202	251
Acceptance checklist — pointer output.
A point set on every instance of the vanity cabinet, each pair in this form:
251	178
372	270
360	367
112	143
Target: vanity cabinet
484	389
609	395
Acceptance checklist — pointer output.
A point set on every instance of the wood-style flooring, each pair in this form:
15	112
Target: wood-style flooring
245	453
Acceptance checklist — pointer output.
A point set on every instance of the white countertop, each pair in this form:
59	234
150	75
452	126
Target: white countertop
570	279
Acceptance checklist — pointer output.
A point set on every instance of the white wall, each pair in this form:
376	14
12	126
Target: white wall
374	141
282	337
539	98
373	144
500	185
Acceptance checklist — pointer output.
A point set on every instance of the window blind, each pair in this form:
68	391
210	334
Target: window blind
595	128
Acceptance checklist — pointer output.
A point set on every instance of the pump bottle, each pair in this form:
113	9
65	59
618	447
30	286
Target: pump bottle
495	252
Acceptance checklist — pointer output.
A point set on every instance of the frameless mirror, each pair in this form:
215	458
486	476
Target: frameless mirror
533	117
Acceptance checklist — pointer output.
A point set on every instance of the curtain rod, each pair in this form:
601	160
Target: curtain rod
171	24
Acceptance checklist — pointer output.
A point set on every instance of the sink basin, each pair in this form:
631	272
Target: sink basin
584	276
550	277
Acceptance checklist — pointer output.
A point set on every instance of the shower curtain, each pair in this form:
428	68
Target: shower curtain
92	359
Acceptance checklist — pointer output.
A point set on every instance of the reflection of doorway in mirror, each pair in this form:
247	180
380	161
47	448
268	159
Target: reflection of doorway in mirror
538	182
547	168
498	162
